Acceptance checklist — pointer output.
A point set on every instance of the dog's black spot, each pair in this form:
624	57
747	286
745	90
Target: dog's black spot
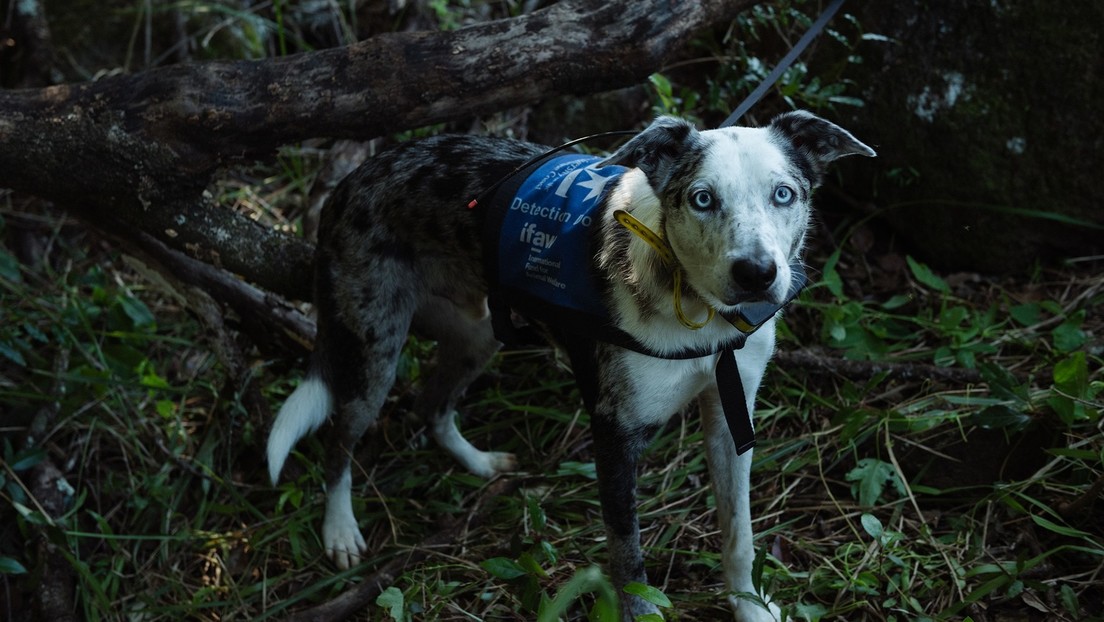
393	250
435	228
801	160
343	360
684	173
360	219
447	153
463	235
398	302
443	189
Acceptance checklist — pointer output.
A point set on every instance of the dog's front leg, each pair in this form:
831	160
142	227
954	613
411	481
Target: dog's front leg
616	450
730	475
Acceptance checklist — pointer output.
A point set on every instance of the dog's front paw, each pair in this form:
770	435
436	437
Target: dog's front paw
490	463
343	542
748	610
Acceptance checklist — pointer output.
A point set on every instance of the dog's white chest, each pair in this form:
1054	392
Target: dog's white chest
659	388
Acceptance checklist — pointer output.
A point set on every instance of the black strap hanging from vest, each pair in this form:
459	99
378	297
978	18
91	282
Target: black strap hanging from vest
734	402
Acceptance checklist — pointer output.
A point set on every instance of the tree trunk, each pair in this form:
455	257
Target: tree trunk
986	117
141	149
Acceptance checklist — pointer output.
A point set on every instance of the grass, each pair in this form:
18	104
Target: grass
876	497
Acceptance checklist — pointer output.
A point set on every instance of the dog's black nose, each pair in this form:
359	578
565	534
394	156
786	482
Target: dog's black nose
754	274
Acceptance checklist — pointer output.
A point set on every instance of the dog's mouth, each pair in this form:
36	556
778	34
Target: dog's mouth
733	300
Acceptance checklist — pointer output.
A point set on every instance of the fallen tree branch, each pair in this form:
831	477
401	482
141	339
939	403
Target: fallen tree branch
142	148
816	362
265	315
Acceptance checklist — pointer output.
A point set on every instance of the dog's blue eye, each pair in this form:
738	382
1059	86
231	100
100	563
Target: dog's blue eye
784	195
702	200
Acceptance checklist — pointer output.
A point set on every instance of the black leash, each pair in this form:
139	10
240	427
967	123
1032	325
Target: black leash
786	62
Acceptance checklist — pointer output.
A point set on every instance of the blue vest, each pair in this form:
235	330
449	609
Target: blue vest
544	244
538	228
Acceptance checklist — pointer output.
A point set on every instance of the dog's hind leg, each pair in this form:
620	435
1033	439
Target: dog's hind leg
466	343
361	372
361	331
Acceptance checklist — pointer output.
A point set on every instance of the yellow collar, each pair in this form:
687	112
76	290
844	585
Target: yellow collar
663	249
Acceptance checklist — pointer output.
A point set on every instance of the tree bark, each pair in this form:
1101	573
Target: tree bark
141	149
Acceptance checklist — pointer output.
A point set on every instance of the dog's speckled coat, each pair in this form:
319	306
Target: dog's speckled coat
398	251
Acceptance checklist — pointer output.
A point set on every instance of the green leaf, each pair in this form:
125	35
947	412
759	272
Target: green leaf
1069	600
1062	530
537	518
830	276
585	469
9	267
137	311
529	564
503	568
896	302
11	566
757	569
392	600
589	579
1026	314
925	275
872	526
1071	375
1068	335
1000	417
952	317
810	613
649	617
871	477
648	593
1002	384
12	354
26	460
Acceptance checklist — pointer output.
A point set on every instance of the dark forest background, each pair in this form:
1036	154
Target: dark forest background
931	433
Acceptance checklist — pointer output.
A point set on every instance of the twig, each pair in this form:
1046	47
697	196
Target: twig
257	307
1078	505
56	588
51	493
813	361
357	598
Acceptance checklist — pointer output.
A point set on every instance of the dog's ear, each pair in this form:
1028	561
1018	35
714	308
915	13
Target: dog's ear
816	141
657	149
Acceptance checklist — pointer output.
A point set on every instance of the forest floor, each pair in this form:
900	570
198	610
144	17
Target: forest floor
930	447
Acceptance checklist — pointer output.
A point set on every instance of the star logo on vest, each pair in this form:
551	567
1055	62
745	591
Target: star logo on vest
595	184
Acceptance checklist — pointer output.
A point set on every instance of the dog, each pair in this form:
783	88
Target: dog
398	251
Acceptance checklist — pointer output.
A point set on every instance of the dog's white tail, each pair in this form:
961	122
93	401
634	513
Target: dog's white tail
306	409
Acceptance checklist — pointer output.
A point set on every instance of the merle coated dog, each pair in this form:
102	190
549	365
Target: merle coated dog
399	252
